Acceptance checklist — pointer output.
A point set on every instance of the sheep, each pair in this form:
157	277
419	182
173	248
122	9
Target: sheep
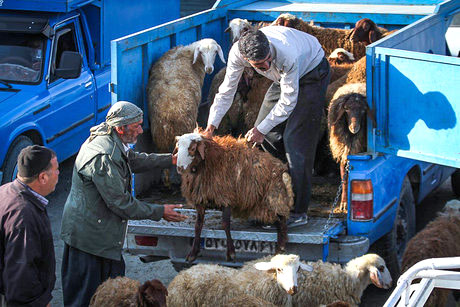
273	278
248	301
347	124
329	38
174	90
329	283
438	239
123	291
223	172
341	62
236	27
366	31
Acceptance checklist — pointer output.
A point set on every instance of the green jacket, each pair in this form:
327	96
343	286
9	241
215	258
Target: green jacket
100	201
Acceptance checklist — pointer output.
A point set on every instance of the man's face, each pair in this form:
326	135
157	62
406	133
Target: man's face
129	133
264	64
51	177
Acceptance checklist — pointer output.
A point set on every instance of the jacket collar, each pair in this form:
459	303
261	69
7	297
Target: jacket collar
119	144
27	194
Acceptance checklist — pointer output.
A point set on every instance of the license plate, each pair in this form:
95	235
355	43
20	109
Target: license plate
240	245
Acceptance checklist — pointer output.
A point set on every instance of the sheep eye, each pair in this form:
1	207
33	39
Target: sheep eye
381	268
278	270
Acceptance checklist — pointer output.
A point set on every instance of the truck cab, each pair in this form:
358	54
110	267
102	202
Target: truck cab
55	69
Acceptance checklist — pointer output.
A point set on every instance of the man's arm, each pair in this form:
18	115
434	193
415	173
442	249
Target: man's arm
143	162
224	98
21	275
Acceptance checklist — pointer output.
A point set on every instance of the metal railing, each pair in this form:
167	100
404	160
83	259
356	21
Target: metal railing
433	274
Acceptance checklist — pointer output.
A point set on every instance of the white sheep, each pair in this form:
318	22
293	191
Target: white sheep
236	27
271	278
174	90
328	282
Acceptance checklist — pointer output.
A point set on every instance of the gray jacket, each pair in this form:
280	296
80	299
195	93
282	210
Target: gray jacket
100	201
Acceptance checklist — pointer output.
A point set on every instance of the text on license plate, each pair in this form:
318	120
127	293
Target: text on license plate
240	245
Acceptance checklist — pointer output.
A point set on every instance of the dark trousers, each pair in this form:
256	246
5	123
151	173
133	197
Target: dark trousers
82	273
295	139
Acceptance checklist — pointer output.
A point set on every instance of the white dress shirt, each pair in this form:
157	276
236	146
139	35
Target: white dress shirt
294	54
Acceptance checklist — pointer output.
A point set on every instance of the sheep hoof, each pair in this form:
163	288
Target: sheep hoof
231	256
191	257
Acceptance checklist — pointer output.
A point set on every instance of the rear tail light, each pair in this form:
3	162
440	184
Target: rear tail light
146	240
362	200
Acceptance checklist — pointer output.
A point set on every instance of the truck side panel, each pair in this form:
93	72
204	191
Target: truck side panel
414	89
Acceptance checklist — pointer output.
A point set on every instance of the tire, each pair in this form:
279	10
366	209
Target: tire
392	245
455	182
10	168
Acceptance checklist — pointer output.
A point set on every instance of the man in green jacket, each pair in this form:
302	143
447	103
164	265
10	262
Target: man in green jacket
100	203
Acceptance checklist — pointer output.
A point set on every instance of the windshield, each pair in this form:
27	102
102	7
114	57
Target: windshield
21	57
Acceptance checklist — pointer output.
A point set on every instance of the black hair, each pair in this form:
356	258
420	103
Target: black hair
254	45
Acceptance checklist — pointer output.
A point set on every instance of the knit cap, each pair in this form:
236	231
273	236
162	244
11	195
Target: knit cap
33	160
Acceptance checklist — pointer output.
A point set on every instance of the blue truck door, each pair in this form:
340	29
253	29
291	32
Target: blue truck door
72	106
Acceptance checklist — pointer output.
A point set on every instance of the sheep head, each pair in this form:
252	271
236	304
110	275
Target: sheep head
354	107
236	27
286	20
285	268
189	150
207	48
365	31
152	294
341	56
374	267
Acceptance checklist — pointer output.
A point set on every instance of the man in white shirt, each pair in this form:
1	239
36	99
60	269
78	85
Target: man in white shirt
289	119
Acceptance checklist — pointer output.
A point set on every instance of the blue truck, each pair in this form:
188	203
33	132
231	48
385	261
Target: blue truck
55	69
413	88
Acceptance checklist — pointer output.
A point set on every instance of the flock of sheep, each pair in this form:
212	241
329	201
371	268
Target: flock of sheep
225	173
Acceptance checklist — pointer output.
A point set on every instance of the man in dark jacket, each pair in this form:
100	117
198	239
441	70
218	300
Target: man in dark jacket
100	203
27	264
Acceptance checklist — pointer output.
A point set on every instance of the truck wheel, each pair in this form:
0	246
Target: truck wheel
455	182
178	266
10	165
392	245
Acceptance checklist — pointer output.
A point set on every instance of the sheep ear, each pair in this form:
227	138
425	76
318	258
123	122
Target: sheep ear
264	266
339	114
201	149
373	36
350	35
375	276
306	267
196	53
221	54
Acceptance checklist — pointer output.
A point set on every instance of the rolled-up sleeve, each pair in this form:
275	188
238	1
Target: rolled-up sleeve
289	84
112	187
224	98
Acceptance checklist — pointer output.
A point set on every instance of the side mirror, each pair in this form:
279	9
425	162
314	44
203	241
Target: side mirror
69	66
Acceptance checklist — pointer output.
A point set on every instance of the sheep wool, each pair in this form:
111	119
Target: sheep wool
174	90
438	239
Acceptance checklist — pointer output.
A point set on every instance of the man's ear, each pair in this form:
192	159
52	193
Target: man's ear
120	130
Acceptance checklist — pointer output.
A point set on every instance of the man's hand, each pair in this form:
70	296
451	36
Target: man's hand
209	131
254	136
172	216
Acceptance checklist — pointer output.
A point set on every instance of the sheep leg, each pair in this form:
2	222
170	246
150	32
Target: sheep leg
281	235
198	227
226	213
344	176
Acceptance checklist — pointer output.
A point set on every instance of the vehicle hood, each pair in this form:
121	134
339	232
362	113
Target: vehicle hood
4	95
15	103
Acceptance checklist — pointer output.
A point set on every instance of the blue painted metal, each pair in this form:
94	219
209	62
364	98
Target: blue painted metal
413	86
60	113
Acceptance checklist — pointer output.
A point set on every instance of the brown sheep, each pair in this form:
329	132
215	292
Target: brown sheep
330	39
366	31
123	291
174	90
438	239
356	74
224	173
347	123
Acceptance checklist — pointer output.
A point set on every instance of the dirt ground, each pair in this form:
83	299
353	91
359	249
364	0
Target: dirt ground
164	271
